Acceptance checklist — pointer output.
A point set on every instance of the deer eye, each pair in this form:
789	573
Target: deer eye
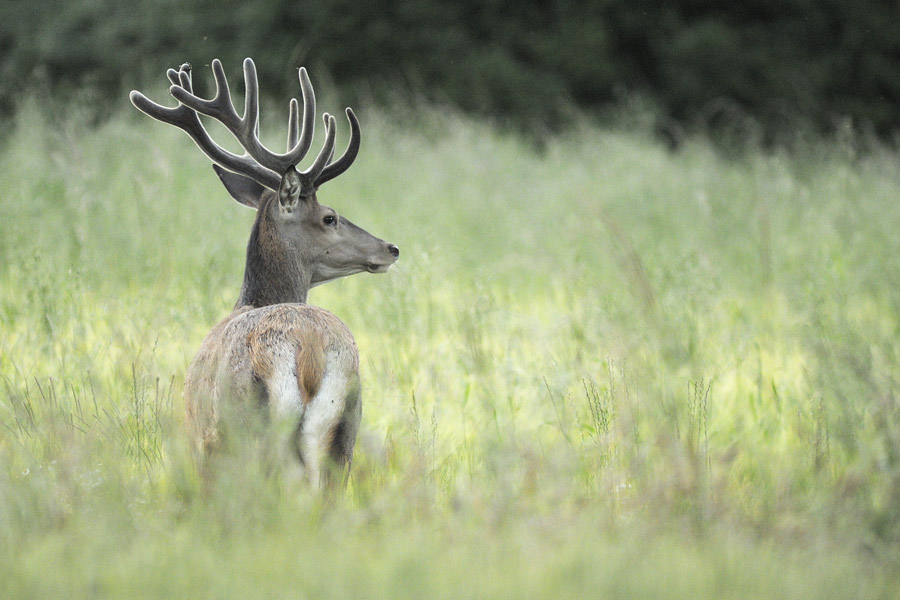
329	220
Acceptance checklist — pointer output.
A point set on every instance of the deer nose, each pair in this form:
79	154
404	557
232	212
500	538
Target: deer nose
394	250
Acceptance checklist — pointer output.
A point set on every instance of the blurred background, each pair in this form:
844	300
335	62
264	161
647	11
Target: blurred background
766	66
601	368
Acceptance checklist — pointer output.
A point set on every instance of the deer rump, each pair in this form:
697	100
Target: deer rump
291	366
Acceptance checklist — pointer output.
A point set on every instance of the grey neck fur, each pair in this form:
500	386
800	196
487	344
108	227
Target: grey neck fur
273	274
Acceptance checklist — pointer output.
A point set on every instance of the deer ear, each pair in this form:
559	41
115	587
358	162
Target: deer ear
289	190
243	189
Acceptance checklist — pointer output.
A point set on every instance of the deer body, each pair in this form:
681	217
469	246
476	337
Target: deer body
275	356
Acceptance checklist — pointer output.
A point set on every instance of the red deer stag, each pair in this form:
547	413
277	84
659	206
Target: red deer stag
297	362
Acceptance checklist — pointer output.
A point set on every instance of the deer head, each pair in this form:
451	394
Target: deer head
296	243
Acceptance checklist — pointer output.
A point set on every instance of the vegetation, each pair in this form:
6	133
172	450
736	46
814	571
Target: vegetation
766	64
600	369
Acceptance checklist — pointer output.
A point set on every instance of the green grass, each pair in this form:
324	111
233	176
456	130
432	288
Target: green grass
600	369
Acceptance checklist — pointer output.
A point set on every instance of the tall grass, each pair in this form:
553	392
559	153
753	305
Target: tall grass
600	368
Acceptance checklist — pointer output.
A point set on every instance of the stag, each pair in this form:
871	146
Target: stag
276	356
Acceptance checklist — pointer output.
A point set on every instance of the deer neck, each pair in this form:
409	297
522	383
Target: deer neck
273	274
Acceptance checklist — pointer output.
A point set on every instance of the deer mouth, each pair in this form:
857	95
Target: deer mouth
378	268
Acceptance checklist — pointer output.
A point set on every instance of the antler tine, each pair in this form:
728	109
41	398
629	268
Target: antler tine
311	175
293	124
343	163
309	115
327	120
250	121
181	77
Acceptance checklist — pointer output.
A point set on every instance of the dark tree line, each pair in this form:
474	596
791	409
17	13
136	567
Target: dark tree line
774	61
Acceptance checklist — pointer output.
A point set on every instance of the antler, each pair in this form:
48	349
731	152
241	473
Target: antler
258	162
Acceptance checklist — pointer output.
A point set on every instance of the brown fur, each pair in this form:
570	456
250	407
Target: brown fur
247	345
306	329
310	367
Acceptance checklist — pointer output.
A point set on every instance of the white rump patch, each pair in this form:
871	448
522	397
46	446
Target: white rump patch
324	413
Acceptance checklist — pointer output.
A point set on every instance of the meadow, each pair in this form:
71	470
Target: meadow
601	368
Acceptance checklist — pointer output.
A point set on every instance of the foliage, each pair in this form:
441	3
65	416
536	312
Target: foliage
599	369
716	65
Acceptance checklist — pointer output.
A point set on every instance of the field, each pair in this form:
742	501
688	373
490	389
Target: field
600	369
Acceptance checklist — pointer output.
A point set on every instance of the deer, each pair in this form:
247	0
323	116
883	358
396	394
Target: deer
293	364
